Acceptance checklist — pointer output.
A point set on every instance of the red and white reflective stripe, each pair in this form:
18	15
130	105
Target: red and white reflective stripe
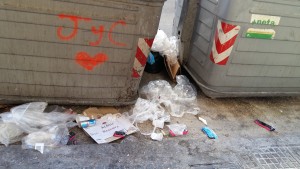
141	56
225	37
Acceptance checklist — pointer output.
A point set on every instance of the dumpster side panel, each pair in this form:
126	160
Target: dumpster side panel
69	51
264	59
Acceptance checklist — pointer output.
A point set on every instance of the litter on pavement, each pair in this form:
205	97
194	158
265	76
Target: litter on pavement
159	101
44	129
264	125
203	120
209	132
177	130
106	127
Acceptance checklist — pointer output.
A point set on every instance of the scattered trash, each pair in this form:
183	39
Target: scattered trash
209	132
46	126
46	139
106	127
157	136
30	117
10	133
177	130
264	125
80	118
72	138
176	101
120	134
87	123
203	120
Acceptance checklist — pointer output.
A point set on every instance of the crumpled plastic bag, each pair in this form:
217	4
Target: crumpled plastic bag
177	129
157	90
168	47
161	42
176	101
173	51
47	138
10	133
146	110
30	117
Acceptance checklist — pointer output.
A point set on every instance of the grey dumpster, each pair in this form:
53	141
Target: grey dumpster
242	48
74	51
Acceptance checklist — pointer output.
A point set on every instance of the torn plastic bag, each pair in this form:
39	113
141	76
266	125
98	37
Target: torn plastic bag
10	133
168	47
47	138
176	101
172	51
30	117
184	89
177	129
146	110
161	42
157	90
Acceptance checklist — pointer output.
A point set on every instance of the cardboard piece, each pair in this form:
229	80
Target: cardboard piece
106	126
172	70
97	113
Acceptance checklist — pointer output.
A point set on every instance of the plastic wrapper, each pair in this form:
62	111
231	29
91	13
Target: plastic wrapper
184	89
161	42
168	47
173	50
157	136
10	133
177	129
30	117
157	90
176	101
146	110
47	138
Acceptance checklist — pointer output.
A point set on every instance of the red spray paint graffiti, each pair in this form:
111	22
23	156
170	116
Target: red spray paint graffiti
88	62
75	20
83	58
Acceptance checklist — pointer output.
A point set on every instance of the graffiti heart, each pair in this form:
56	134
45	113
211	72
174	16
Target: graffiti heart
88	62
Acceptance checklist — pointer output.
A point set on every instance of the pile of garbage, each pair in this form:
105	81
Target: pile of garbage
37	127
42	127
159	101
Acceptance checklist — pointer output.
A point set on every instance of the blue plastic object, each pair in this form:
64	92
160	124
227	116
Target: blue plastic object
209	132
151	59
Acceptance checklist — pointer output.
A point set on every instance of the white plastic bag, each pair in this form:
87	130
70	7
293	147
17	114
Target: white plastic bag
168	47
157	136
30	117
157	90
10	133
46	139
176	101
146	110
173	50
161	42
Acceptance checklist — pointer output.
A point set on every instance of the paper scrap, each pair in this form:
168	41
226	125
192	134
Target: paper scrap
106	126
